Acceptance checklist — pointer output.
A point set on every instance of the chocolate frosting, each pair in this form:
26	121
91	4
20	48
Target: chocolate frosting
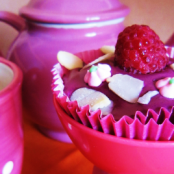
75	79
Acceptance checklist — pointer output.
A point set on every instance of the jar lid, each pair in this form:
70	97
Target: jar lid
73	11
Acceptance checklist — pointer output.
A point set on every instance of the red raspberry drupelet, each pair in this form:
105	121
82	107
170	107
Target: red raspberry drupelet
140	51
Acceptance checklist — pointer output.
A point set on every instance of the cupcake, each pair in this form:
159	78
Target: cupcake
126	90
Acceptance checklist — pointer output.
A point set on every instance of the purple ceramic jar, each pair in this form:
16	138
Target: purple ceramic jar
50	26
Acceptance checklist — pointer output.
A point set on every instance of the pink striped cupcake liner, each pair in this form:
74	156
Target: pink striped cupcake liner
152	126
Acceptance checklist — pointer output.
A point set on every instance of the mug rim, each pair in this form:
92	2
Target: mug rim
17	77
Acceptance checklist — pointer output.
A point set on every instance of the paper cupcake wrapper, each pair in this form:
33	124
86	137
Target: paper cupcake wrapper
152	126
170	51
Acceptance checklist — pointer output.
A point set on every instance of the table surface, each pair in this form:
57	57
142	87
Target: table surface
43	155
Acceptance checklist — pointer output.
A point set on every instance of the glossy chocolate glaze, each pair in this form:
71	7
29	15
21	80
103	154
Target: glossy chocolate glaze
74	80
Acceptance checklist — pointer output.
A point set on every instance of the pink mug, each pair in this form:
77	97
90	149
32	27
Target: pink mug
11	131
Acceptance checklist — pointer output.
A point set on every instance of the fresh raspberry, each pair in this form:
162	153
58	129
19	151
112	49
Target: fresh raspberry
139	50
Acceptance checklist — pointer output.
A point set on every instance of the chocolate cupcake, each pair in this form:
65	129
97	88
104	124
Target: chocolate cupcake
125	90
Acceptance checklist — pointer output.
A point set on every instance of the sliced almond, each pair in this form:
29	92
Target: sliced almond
107	49
145	99
172	66
108	79
69	60
93	98
126	87
100	59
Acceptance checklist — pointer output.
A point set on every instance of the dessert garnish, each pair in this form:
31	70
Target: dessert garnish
126	87
69	61
172	66
145	99
107	49
169	51
95	99
97	74
100	59
166	87
140	51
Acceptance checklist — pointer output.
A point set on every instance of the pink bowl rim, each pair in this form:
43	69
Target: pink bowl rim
17	79
114	139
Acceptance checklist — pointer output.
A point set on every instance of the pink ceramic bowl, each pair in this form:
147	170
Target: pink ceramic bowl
11	132
119	155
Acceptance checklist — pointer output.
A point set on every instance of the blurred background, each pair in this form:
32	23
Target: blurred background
158	14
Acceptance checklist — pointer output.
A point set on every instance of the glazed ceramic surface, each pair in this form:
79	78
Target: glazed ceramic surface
36	47
119	155
11	135
80	11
